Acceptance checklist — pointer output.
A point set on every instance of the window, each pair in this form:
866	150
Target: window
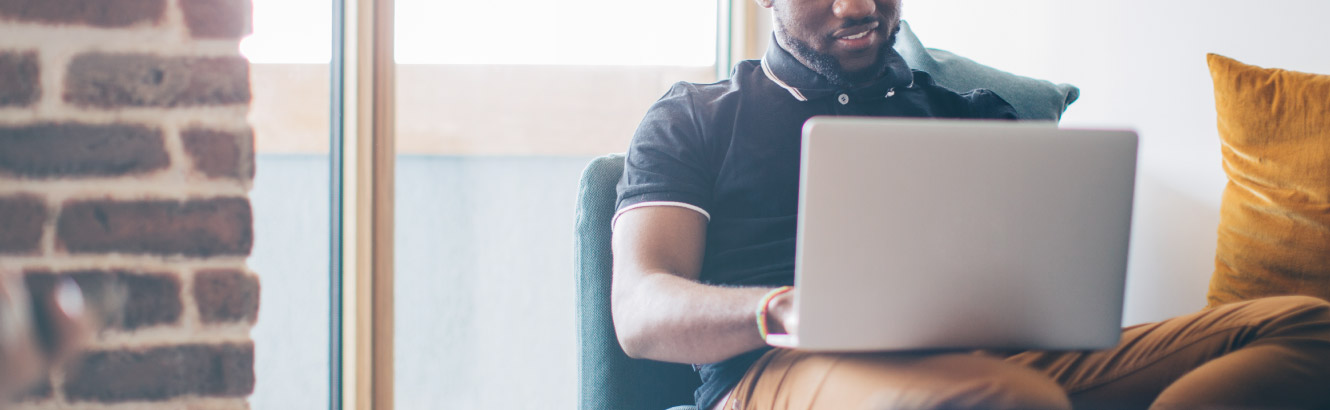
289	53
499	107
497	110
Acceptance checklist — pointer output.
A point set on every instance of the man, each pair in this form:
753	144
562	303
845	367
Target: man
704	236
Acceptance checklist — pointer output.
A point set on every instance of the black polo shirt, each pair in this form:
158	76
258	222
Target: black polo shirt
730	150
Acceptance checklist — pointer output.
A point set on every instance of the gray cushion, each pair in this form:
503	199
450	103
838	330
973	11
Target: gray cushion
1034	99
608	378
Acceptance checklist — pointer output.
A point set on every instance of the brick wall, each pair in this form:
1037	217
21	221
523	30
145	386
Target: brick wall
125	156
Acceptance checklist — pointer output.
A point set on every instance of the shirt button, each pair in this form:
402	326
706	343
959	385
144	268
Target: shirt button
844	99
891	93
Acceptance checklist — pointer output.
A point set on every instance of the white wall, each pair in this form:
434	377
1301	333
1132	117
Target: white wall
1141	64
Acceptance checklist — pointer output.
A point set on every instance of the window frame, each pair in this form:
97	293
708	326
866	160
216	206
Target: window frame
364	152
364	161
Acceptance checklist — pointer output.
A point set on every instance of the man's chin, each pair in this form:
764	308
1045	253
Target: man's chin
867	65
868	61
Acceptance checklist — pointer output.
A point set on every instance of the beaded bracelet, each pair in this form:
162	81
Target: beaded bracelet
762	309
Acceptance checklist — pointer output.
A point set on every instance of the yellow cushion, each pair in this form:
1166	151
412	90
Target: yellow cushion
1274	229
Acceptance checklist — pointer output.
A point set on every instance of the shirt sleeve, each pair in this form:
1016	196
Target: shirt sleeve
667	162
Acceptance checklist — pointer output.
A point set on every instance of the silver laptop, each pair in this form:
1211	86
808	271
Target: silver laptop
931	234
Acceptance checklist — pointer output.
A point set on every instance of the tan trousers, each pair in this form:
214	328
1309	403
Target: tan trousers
1266	353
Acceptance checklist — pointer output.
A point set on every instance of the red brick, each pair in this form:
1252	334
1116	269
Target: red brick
20	79
101	80
217	18
161	373
79	150
199	228
226	296
21	222
98	13
152	300
221	154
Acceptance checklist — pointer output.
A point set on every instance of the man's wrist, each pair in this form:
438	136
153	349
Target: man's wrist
763	314
779	310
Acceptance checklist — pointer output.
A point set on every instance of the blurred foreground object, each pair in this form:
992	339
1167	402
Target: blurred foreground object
45	320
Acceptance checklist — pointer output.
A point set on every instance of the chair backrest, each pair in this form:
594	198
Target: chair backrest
1034	99
608	378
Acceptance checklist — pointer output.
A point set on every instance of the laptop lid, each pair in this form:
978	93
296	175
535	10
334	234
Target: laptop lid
931	234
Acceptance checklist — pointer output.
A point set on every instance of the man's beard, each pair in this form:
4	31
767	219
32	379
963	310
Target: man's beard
829	67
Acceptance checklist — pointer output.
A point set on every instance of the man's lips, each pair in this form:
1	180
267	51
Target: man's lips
856	38
856	32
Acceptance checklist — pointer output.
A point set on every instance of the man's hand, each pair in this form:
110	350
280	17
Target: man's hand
780	314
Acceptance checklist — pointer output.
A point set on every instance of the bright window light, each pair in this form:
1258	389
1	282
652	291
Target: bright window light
566	32
290	32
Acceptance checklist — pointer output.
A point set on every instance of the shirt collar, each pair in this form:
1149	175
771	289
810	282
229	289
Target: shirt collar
805	84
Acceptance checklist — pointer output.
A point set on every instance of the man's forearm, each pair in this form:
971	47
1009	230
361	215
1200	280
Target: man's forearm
669	318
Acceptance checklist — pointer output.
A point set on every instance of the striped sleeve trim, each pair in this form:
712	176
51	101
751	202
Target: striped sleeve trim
658	203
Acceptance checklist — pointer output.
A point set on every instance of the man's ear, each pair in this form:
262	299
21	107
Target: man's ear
764	3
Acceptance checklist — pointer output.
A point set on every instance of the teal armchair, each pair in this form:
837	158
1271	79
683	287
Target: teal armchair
607	377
